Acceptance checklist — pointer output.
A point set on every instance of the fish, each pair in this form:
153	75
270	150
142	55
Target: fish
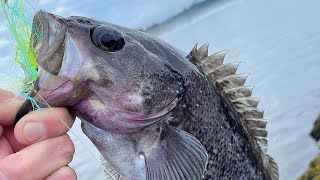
153	112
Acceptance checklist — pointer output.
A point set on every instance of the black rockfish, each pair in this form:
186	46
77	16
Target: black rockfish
152	112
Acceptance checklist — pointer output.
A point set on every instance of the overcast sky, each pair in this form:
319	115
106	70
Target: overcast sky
137	14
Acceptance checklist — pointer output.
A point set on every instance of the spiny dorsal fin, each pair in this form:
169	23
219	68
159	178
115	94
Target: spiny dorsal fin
272	167
232	87
198	54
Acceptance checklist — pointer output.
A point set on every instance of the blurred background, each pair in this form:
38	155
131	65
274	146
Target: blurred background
276	41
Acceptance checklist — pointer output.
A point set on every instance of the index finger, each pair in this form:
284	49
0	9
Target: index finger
9	106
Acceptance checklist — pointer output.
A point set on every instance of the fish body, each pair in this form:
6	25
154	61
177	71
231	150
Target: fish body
152	112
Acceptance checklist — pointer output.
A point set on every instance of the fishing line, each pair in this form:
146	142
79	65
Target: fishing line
36	106
30	4
32	100
22	31
73	133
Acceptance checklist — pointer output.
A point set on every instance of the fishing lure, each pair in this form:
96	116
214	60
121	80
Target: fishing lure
20	27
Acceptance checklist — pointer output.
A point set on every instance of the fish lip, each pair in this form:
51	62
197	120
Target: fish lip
47	37
40	33
40	29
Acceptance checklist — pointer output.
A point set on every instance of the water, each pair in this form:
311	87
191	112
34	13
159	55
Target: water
278	44
276	41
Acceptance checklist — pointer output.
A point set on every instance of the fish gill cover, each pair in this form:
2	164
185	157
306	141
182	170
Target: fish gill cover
20	26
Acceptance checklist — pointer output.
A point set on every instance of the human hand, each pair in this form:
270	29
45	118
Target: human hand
37	147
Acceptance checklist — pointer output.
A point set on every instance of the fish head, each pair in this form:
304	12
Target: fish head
116	78
123	84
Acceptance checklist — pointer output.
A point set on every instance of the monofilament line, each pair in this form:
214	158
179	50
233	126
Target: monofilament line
45	102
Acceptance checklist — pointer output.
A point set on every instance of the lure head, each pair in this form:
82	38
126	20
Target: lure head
118	79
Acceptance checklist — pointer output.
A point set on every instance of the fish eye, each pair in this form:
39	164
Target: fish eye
107	39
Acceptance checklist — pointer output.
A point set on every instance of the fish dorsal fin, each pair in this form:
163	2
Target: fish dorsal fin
271	167
231	86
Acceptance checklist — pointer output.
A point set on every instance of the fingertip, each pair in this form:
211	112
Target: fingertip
64	173
68	148
39	125
29	132
8	111
4	95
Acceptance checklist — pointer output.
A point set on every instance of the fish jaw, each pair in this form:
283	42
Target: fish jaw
63	74
117	120
57	90
48	36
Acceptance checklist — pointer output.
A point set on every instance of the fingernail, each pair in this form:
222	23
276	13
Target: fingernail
33	131
2	177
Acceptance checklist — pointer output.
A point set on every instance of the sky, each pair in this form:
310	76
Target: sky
138	14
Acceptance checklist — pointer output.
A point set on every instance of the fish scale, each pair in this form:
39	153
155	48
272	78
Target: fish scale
188	118
235	99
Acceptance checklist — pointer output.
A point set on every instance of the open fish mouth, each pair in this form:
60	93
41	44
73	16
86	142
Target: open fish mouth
48	33
47	29
47	37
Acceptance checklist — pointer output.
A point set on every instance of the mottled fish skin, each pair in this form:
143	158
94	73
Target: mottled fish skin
151	112
232	150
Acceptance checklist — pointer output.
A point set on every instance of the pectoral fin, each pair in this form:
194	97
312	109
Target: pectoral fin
176	155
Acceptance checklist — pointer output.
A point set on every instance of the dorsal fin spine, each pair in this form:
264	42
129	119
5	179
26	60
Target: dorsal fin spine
237	92
232	88
223	70
245	102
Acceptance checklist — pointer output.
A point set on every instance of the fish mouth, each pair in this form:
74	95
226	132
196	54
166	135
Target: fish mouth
47	37
39	27
46	30
47	40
